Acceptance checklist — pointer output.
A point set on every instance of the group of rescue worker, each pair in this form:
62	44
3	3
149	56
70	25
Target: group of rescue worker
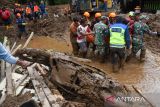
22	13
116	36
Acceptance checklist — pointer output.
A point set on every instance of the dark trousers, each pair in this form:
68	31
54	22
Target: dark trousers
117	53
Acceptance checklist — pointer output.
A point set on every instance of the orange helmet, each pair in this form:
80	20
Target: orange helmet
112	14
90	38
86	14
98	15
18	15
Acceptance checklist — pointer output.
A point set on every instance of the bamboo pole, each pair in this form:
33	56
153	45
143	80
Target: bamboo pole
18	47
142	96
28	40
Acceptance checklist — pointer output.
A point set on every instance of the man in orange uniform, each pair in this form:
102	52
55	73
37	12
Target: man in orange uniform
36	11
73	35
28	13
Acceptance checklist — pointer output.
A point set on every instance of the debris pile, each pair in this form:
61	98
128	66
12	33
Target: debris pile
153	42
56	24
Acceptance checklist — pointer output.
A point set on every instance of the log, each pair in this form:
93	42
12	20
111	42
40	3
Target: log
142	96
28	40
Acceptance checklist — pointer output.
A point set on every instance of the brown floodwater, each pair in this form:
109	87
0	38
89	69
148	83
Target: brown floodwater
145	76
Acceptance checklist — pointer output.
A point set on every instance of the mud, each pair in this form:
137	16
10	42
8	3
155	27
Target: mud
16	101
81	83
145	75
52	25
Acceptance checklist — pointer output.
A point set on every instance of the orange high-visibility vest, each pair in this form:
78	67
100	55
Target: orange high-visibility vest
36	8
28	10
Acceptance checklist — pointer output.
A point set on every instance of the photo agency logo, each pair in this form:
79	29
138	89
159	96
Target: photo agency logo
113	99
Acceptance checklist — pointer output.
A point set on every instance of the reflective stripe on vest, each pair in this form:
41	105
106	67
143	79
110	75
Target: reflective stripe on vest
117	37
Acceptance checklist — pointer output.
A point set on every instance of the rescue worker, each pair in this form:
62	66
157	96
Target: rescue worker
81	37
36	11
21	26
6	17
42	8
97	18
119	41
101	31
73	35
18	9
140	27
90	38
28	13
112	18
87	16
130	23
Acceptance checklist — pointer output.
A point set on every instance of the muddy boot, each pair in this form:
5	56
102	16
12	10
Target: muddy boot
142	55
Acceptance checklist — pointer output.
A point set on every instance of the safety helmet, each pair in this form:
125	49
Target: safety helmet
112	14
18	15
98	15
131	13
86	14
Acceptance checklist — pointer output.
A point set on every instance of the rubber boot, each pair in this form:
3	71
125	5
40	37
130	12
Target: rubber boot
142	55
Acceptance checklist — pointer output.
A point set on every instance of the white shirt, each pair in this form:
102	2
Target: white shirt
81	29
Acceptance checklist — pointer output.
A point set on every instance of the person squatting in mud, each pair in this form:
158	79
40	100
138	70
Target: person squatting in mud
125	36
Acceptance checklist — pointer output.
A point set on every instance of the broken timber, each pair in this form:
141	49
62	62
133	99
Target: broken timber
45	95
9	85
2	62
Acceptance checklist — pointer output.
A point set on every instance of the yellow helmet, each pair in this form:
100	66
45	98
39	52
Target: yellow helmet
112	14
98	15
86	14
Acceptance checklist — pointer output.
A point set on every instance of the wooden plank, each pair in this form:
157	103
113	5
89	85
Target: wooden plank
28	40
21	86
3	62
3	86
9	83
51	98
39	90
20	81
13	46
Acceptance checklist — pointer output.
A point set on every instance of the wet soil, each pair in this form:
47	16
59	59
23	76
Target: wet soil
145	75
16	101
